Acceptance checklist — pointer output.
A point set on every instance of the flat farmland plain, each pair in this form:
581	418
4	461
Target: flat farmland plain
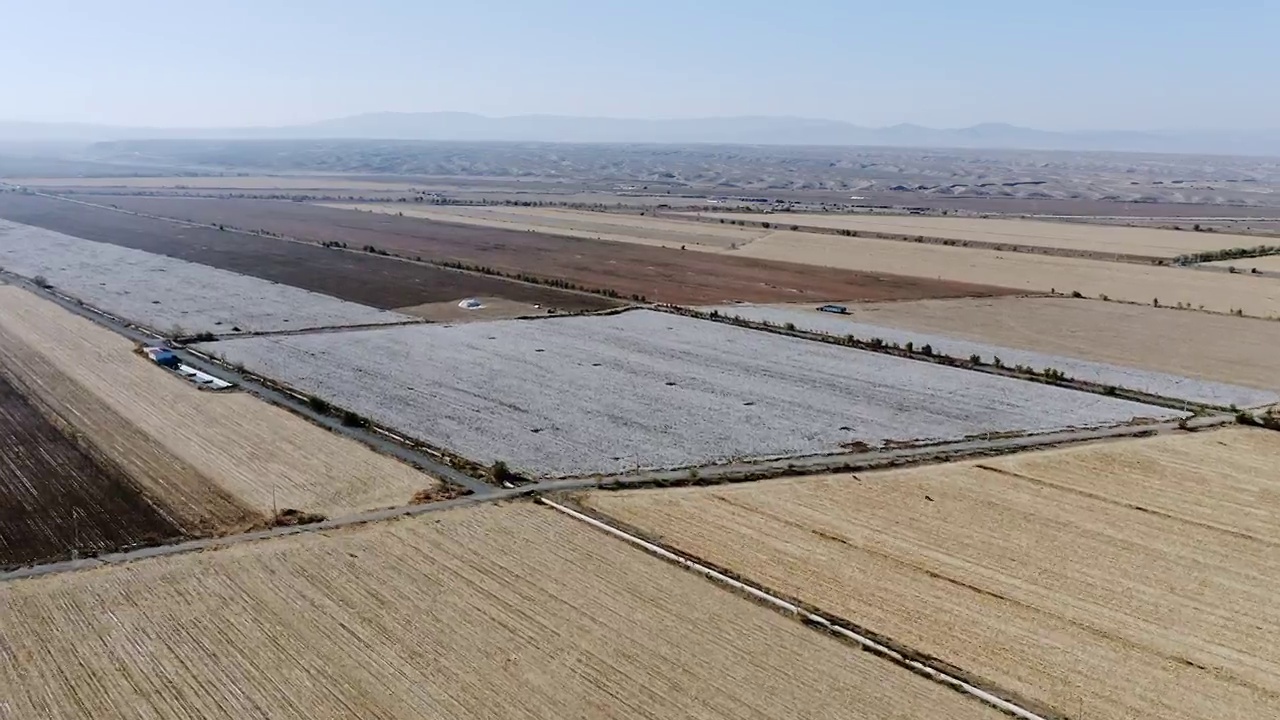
519	613
659	274
55	496
644	389
1101	239
357	277
1130	282
164	293
1237	351
616	227
944	342
1115	580
220	182
216	460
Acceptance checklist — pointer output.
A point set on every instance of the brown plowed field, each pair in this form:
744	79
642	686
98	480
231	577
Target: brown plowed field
54	496
657	273
358	277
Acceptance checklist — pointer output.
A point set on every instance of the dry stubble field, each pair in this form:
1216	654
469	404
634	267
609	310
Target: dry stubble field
1117	580
1102	239
507	611
617	227
214	459
1130	282
1224	349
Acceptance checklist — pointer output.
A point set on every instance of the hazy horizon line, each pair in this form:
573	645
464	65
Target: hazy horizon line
634	118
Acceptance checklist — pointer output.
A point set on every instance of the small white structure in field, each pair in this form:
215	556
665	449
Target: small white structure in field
471	304
165	358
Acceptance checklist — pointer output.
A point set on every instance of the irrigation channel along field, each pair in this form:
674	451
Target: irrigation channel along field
945	343
511	611
645	389
1101	239
1118	580
1129	282
213	460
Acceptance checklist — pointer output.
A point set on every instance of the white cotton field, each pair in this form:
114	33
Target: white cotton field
644	389
163	293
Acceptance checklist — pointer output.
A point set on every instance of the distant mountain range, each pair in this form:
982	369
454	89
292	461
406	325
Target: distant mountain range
727	130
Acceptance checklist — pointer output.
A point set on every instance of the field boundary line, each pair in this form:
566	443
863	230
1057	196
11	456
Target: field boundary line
807	617
225	541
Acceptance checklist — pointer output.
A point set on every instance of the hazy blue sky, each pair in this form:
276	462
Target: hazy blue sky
1055	64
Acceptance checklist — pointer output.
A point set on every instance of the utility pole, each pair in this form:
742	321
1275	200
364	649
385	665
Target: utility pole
75	533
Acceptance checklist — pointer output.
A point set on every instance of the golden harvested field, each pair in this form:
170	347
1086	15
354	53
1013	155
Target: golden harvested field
1132	579
1132	282
245	446
1225	349
1146	242
617	227
489	612
1269	263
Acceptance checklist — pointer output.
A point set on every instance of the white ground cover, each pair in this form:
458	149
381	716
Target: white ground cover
162	292
643	389
1154	383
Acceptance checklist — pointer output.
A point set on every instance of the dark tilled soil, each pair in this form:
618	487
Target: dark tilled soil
55	497
658	274
381	282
